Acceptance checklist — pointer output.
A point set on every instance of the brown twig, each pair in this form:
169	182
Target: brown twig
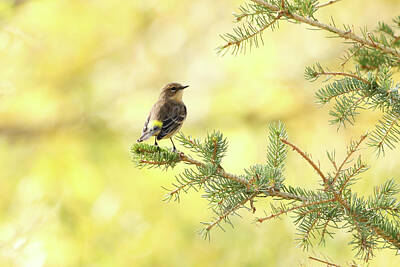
260	220
307	158
182	186
228	212
343	74
333	163
254	34
214	151
392	124
285	195
324	229
311	226
340	200
351	176
353	106
349	153
370	38
323	261
327	99
328	3
352	55
220	171
154	162
396	38
343	34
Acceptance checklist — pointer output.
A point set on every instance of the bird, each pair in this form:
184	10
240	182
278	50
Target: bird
166	116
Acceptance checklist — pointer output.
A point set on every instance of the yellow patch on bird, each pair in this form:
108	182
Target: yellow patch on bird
157	123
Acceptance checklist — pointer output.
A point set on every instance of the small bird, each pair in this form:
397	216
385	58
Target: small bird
166	116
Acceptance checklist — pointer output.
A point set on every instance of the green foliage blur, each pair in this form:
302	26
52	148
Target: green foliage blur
77	79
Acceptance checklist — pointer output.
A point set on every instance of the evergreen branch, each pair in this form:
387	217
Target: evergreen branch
343	74
379	230
355	172
311	227
388	209
346	59
389	188
228	192
350	152
338	88
387	132
328	3
260	220
395	40
214	155
220	171
305	213
345	110
178	189
324	230
249	11
153	152
151	156
324	261
393	240
247	36
225	215
284	195
276	150
307	158
331	158
348	35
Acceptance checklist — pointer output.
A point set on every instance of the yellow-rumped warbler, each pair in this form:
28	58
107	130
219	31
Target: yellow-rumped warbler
167	114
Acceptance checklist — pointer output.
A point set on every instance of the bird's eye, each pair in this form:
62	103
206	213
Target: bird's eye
173	89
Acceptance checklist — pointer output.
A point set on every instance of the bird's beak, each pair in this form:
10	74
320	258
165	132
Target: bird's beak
183	87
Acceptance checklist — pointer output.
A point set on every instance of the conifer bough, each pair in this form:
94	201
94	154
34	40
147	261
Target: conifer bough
374	222
374	54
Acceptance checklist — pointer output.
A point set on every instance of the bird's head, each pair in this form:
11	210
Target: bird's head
173	91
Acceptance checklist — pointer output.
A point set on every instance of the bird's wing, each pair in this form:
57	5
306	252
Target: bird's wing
151	127
146	123
173	120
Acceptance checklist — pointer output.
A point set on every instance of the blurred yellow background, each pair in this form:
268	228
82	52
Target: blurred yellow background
77	79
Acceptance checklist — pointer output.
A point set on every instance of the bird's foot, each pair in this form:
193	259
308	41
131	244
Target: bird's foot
174	150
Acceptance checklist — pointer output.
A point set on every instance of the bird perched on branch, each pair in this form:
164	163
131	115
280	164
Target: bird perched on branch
166	116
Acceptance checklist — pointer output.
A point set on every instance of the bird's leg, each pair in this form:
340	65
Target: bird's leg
155	142
174	148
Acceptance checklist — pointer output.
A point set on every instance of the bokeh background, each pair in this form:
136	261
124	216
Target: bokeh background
77	79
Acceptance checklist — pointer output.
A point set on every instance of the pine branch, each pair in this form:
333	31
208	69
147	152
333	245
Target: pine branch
285	211
308	159
276	150
356	170
345	109
225	215
227	192
324	261
317	74
328	3
381	230
348	35
387	132
337	89
246	34
353	148
371	85
351	55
